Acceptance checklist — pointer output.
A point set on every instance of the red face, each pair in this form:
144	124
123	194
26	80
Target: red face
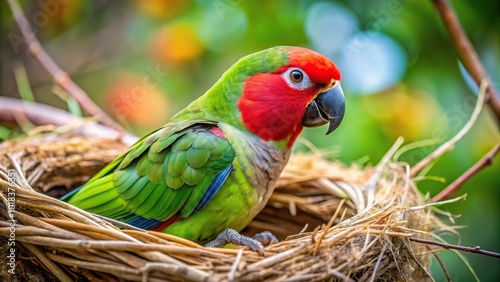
273	104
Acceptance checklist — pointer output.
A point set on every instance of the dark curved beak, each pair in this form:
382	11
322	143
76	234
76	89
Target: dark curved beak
329	107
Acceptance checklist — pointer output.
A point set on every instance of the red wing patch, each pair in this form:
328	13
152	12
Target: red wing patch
167	223
217	132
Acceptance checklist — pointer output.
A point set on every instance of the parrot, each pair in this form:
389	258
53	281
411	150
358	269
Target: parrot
211	169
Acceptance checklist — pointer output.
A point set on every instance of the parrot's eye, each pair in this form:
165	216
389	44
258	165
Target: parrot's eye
296	76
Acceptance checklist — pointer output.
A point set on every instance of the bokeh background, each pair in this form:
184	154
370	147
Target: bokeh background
143	60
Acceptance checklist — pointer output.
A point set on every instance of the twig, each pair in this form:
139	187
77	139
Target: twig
441	263
424	270
485	161
39	114
444	148
467	53
476	249
60	77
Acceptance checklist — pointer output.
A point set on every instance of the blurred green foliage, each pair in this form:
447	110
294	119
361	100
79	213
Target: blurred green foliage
144	60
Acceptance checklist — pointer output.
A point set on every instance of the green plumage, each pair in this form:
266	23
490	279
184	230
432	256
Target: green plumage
160	176
168	172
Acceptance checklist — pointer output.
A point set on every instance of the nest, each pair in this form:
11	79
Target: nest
336	223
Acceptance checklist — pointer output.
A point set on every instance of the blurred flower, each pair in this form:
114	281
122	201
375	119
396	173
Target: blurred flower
176	44
161	9
133	99
58	15
415	115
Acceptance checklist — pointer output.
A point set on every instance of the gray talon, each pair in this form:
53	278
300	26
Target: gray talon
266	238
232	236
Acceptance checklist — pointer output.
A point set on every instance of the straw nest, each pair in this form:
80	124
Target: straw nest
336	223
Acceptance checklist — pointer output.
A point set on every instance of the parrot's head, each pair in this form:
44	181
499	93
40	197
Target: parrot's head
274	94
290	88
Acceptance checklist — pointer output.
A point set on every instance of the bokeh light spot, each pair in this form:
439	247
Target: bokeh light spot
328	26
371	62
221	25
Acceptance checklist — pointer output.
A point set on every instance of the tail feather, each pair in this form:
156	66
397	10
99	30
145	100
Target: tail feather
70	194
99	197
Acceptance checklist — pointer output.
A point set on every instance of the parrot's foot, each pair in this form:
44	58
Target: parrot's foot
255	244
266	238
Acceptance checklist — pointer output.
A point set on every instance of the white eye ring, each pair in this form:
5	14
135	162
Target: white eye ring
297	78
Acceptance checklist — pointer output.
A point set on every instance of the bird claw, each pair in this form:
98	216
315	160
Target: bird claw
255	244
266	238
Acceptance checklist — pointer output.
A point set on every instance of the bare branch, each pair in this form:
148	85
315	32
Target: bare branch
467	53
476	249
485	161
60	77
39	114
441	263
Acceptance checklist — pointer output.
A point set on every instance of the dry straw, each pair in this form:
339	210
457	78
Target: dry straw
336	223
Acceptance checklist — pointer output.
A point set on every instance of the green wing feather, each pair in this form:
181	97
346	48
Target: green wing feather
165	173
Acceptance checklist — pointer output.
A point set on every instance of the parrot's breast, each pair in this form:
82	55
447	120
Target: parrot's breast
261	164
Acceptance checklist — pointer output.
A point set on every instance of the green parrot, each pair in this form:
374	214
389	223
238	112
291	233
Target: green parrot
209	171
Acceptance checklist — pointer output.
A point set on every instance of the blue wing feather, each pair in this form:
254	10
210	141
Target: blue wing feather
214	188
144	223
67	196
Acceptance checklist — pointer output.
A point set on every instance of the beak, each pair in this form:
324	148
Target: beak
328	106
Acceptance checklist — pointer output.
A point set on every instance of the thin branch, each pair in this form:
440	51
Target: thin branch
444	148
60	77
39	114
476	249
467	53
485	161
441	263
